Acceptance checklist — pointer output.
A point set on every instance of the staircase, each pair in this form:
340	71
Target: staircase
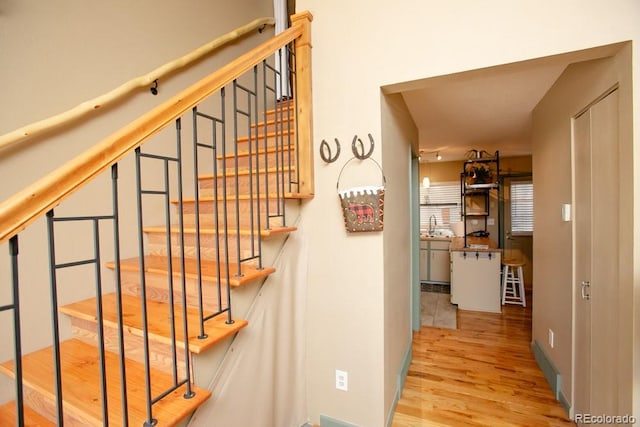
145	319
126	355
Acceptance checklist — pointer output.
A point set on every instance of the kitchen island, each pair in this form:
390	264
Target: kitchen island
475	274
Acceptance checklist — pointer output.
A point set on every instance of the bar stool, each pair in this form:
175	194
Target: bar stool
513	282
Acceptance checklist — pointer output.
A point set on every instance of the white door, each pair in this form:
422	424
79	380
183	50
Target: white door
596	195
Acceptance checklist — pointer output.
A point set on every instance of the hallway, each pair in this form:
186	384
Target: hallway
481	374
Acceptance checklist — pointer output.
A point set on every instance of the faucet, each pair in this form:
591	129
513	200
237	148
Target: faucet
432	227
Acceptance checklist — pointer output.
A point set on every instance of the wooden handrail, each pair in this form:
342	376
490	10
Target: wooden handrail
145	81
17	212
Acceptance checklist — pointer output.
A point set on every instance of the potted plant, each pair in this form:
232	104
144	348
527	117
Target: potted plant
478	173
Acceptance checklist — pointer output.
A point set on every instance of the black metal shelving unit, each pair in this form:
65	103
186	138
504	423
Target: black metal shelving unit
480	175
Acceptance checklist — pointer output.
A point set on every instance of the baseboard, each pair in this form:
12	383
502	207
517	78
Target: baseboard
402	378
548	369
326	421
565	404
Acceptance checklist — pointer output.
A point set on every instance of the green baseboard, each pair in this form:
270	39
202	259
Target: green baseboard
548	369
402	378
565	404
326	421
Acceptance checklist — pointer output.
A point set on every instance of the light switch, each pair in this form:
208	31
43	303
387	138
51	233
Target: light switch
566	212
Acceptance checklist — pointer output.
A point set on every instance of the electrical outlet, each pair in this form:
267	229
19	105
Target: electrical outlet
342	380
551	338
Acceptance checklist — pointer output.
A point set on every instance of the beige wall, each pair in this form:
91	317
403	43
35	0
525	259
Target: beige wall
579	85
59	54
358	47
398	127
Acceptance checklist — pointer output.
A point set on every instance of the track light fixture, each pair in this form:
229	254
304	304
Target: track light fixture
425	156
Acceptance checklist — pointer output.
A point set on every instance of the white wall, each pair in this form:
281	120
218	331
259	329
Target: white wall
358	47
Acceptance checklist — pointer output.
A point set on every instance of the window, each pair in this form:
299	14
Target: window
441	200
521	208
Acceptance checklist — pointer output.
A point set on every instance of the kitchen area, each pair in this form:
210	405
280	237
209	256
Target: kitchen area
466	228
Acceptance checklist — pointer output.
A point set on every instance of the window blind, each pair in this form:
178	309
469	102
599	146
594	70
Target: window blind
521	208
441	200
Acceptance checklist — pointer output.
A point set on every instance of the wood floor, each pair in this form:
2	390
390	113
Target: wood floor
481	374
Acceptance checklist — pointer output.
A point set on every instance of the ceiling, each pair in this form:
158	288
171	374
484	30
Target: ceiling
486	109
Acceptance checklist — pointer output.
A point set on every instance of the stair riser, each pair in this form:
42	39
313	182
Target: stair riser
157	289
157	245
273	180
160	356
280	111
45	405
282	137
244	208
285	121
272	160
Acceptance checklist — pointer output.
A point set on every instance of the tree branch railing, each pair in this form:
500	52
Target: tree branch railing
42	126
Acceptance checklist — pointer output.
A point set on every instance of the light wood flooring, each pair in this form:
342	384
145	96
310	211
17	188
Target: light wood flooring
481	374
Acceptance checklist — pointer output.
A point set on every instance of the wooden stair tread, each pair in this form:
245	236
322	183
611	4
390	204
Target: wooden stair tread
158	264
270	134
158	320
261	151
209	230
82	398
287	117
246	172
31	417
245	197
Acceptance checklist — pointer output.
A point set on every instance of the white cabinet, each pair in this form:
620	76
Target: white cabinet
424	261
435	261
475	283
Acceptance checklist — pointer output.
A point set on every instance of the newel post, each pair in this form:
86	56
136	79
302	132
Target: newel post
304	101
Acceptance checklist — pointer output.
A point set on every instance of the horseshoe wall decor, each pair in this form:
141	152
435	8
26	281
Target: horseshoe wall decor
358	150
325	151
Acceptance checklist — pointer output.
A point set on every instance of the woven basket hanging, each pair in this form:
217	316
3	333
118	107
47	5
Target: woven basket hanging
362	207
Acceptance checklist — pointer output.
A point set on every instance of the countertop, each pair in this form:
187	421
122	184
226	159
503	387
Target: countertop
457	244
437	238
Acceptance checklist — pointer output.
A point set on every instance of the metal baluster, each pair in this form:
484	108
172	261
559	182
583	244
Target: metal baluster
185	326
196	173
17	343
236	167
118	278
143	296
54	319
251	170
257	148
225	212
171	307
216	212
100	319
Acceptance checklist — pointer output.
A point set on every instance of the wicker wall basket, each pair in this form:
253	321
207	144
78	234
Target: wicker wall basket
362	207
